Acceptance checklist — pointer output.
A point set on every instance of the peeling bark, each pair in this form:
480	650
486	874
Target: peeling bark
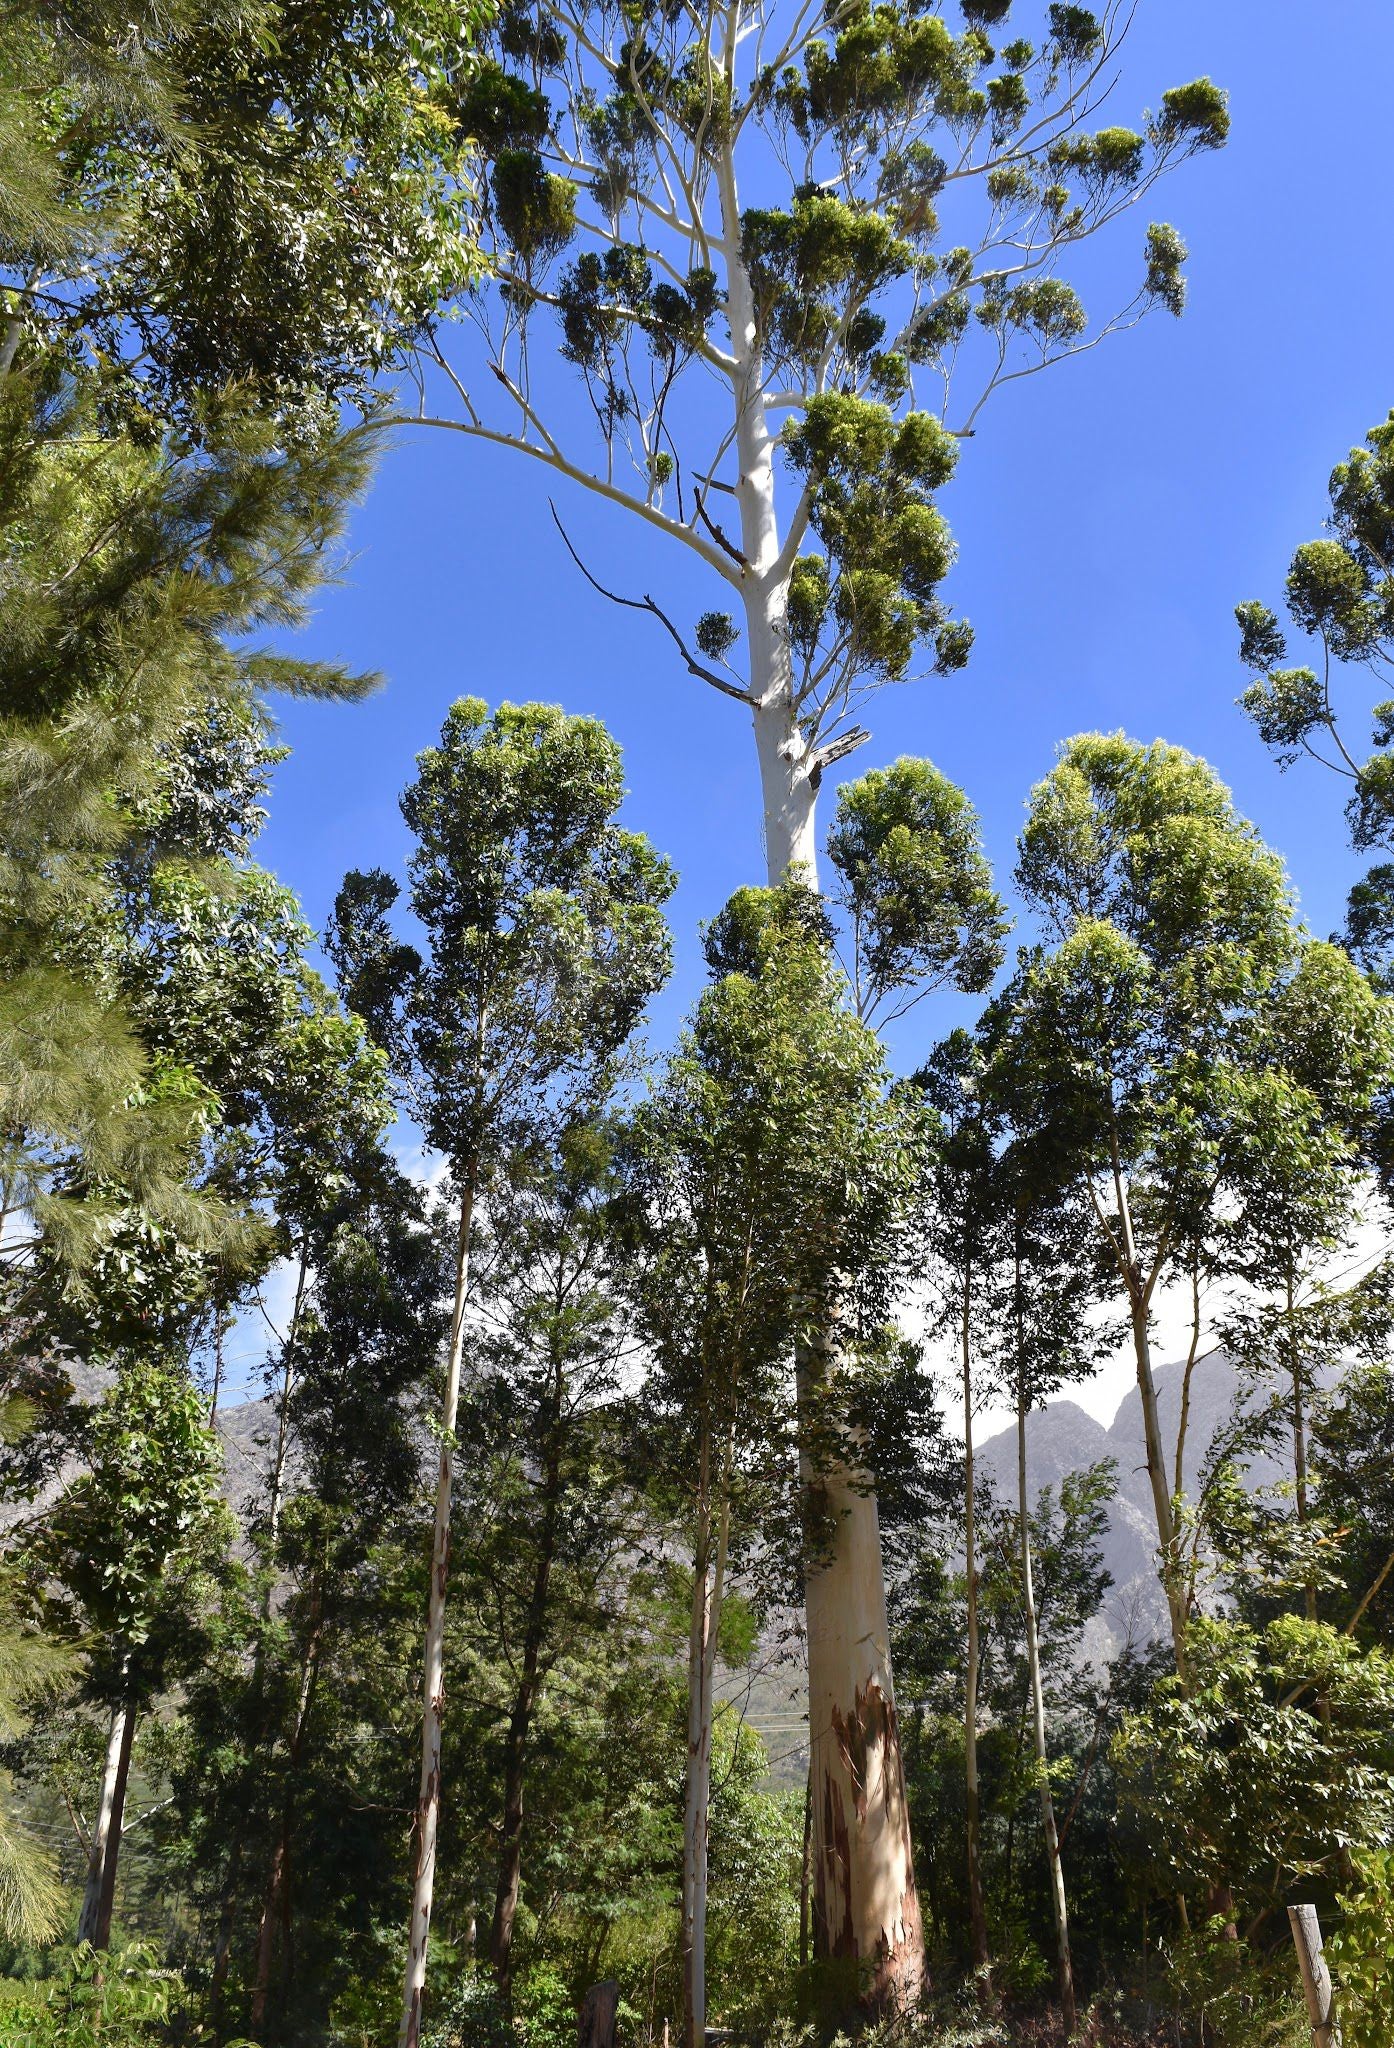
866	1908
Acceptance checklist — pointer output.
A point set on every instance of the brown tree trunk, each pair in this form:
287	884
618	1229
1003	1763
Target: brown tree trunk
276	1904
977	1915
515	1755
596	2025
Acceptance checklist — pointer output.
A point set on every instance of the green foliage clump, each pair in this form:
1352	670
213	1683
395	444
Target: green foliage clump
1340	593
1361	1951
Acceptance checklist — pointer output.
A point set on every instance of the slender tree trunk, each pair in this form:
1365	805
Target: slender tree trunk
1188	1374
1156	1473
1221	1901
433	1677
805	1869
222	1946
1299	1435
276	1905
977	1915
278	1463
1139	1315
713	1521
107	1904
266	1932
94	1922
515	1756
1058	1906
697	1786
219	1341
866	1908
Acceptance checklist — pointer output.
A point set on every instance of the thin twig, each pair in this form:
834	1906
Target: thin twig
646	604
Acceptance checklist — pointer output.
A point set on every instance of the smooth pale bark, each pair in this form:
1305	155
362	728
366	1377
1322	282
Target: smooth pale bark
1316	1977
1187	1377
1156	1474
433	1677
101	1825
711	1535
977	1914
1058	1906
99	1893
1139	1293
866	1908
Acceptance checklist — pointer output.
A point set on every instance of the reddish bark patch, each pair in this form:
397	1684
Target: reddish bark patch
833	1880
868	1749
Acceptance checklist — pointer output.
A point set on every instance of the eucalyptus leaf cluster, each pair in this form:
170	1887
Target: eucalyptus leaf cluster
543	920
1339	595
857	223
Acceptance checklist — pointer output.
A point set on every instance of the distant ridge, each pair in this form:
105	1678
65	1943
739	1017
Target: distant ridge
1062	1438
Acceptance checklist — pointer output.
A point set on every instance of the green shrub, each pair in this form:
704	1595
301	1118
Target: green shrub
1361	1952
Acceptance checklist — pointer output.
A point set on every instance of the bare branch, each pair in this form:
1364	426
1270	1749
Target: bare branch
554	459
646	604
716	533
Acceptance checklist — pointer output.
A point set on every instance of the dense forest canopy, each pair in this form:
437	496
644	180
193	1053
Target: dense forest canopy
665	1571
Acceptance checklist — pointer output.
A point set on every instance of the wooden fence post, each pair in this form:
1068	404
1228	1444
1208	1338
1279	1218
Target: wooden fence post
1316	1978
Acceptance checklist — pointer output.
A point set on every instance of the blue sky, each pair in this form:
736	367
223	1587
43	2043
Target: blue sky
1109	514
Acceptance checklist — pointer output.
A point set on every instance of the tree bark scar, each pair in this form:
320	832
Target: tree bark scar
865	1821
834	1884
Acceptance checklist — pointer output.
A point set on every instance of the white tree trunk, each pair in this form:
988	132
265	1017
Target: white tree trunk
433	1686
89	1921
1058	1906
866	1908
1139	1309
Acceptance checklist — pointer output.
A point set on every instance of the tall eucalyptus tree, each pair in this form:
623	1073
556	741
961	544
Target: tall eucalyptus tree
789	254
545	938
